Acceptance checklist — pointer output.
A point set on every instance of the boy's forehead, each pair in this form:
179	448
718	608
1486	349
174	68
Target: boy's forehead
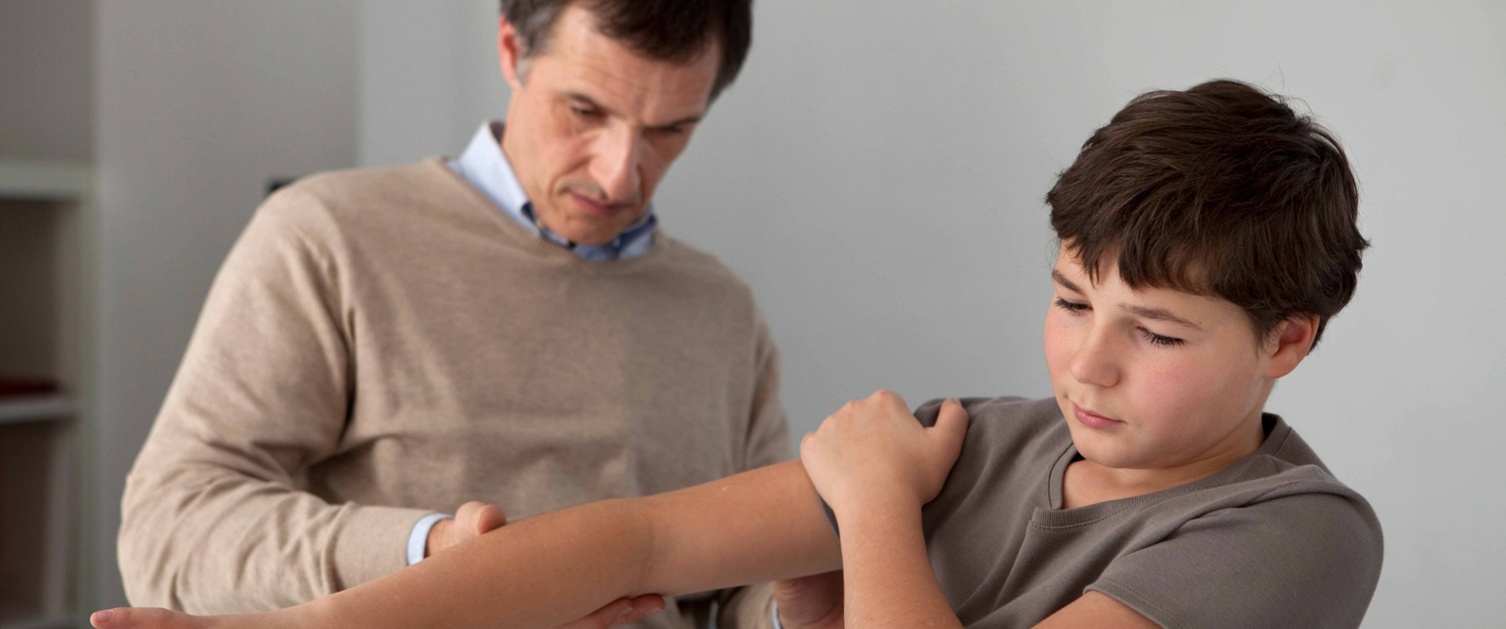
1070	273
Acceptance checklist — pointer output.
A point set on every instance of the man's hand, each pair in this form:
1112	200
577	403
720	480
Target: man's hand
473	519
813	602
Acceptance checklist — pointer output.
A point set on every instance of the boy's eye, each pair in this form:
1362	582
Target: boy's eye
1157	339
1071	307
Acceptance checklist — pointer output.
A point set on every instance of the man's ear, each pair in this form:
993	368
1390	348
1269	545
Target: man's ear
510	53
1289	344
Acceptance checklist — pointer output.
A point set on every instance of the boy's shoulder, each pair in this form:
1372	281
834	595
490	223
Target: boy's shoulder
1006	418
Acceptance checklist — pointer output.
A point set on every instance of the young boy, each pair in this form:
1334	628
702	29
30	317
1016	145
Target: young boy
1207	236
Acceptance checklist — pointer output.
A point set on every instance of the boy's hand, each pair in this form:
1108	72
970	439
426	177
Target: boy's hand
473	519
874	452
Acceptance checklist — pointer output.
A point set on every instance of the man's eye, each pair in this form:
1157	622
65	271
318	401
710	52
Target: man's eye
583	112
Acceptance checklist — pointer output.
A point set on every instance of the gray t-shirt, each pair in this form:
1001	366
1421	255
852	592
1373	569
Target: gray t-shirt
1271	541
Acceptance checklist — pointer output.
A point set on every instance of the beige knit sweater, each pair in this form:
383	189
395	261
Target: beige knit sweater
385	343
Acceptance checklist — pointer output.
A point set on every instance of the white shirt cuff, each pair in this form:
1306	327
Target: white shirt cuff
418	540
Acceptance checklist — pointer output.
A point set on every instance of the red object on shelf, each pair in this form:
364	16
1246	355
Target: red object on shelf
17	387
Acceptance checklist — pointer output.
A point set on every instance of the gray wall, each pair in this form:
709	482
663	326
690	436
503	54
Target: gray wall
199	104
46	58
876	175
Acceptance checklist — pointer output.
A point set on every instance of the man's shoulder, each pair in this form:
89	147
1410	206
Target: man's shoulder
690	263
369	186
341	201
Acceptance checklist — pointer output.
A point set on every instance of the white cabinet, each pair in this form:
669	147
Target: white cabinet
46	349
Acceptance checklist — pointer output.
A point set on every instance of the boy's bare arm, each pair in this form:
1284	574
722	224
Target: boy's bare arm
1096	609
757	526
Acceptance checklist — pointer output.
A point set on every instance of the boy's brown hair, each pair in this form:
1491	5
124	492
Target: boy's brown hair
1219	190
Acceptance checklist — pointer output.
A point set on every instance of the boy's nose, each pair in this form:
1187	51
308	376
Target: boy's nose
1094	363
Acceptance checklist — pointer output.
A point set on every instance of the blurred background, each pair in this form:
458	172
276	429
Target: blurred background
877	175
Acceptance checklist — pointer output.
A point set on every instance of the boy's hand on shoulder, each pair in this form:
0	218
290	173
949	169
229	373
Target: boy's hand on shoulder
874	452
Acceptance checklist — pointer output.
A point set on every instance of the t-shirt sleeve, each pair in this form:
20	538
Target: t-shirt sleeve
1302	560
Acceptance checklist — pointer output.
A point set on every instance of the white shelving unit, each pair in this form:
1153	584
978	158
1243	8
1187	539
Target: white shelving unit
46	259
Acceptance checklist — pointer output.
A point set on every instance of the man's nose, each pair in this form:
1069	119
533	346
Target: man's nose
615	164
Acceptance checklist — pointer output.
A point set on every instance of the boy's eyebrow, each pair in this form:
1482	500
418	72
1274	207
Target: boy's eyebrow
1160	315
1156	314
1066	283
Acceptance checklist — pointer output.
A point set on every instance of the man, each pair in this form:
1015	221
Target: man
510	328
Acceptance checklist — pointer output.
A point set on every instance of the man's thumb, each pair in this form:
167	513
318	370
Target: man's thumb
476	518
489	518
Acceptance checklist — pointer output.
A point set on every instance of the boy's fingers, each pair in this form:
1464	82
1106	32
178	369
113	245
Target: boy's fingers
951	426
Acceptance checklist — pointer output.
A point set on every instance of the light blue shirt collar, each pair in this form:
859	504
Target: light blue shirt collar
485	167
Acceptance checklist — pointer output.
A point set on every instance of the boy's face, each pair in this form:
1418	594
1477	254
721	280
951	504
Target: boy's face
1154	379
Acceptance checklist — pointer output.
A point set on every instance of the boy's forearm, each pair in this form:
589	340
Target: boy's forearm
762	525
554	568
888	577
540	572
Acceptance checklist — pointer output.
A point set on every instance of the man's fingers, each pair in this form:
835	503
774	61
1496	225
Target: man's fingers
619	612
143	618
476	518
642	606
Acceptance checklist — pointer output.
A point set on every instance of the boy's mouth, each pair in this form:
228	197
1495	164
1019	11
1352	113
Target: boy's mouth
1093	420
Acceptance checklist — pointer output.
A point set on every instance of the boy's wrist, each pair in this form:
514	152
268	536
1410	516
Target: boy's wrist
874	506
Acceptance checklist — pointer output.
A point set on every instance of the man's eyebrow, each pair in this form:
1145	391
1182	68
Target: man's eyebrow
586	100
589	102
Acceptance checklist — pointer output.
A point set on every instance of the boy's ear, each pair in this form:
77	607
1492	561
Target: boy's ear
1290	343
509	52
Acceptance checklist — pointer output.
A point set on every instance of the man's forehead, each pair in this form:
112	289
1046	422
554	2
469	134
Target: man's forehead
609	72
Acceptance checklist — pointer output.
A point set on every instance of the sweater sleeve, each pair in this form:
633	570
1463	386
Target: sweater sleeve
768	442
768	428
212	518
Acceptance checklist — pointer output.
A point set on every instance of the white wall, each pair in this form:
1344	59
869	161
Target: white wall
877	175
199	104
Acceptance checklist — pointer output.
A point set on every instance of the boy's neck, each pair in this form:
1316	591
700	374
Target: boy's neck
1087	483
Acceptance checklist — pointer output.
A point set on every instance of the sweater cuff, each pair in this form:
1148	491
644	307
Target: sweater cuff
373	543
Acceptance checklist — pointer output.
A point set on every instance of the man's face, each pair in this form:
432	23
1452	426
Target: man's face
1154	380
592	125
